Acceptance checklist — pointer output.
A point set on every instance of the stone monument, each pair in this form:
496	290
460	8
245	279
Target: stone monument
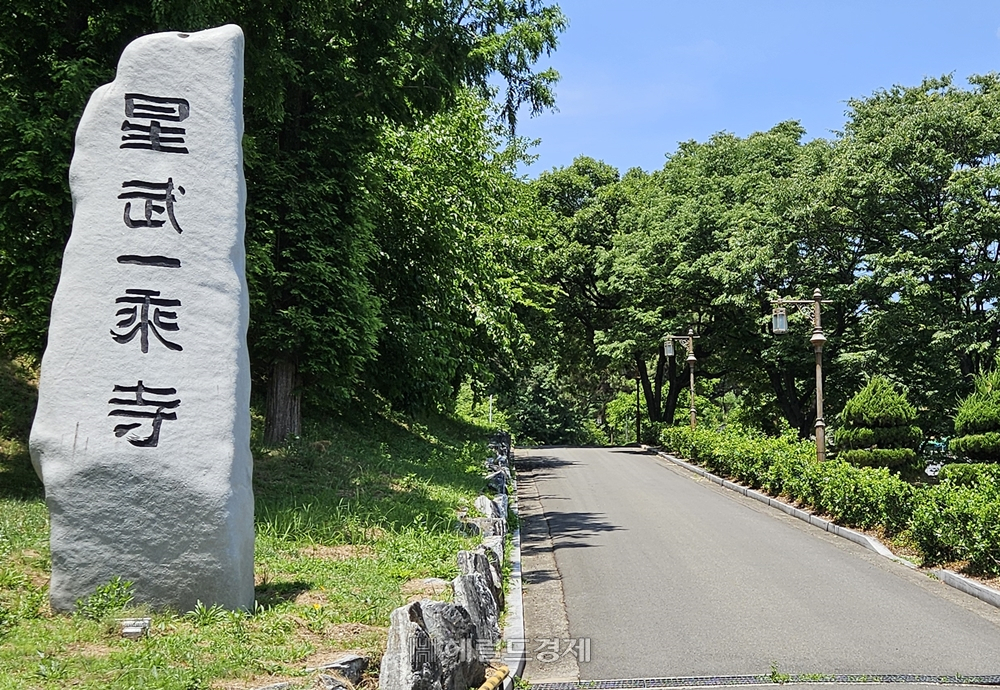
142	432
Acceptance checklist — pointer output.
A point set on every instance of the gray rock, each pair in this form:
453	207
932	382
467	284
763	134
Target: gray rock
497	482
488	527
409	662
350	667
497	546
453	635
481	561
142	432
473	594
330	682
501	503
487	507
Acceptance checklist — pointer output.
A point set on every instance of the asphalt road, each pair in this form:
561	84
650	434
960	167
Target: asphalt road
667	575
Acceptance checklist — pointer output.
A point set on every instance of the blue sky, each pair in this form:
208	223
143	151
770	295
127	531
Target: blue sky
639	76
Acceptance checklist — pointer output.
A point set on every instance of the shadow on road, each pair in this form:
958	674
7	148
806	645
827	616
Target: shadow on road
552	530
572	530
559	530
533	463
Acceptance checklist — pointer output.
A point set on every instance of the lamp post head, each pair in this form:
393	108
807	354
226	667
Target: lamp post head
668	346
779	321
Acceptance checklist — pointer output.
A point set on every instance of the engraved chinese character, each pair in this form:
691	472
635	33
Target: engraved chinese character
150	193
154	136
141	322
143	399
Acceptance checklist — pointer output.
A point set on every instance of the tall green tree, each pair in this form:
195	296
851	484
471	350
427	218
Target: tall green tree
579	205
919	170
453	238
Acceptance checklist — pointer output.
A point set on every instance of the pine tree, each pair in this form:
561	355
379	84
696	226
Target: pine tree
877	427
977	421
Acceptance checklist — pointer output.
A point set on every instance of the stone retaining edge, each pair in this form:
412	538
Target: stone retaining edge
963	584
514	623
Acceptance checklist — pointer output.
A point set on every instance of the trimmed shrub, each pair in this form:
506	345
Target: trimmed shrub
878	457
984	476
977	421
877	427
954	523
979	447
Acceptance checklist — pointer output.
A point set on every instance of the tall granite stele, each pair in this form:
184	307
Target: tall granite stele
142	435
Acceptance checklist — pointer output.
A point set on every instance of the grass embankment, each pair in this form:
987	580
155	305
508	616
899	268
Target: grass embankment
347	516
955	523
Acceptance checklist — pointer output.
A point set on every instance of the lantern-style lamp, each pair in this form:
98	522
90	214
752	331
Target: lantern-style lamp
779	321
668	346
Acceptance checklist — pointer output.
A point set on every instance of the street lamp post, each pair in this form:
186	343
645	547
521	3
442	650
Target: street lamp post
779	326
668	350
638	412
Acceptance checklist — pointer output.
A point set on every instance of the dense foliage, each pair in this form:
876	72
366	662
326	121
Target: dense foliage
876	427
365	128
895	220
393	251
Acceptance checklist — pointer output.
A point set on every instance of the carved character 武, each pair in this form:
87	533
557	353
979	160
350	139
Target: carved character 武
151	192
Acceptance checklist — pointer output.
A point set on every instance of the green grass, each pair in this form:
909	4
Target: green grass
346	515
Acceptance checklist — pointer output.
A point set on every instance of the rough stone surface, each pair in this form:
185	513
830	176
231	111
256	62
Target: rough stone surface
502	505
350	667
488	526
453	635
487	507
473	594
409	662
142	431
497	482
496	545
480	561
333	682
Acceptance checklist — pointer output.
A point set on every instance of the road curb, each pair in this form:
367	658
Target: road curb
963	584
514	624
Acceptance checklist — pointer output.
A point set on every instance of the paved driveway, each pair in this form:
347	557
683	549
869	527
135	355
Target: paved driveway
661	573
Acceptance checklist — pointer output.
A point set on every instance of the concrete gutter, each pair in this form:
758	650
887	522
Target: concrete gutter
514	655
971	587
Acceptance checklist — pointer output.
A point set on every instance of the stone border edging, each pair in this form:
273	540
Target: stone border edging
514	625
766	681
963	584
970	587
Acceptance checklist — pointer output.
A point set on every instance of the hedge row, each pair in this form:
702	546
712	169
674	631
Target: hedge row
881	437
956	520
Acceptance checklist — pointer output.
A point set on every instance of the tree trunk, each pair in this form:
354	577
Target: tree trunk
797	412
284	403
674	384
647	390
